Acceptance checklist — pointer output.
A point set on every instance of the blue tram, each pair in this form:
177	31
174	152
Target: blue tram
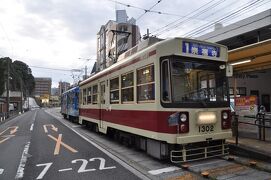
70	104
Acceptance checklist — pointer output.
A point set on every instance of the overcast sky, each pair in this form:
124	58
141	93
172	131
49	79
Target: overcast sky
56	33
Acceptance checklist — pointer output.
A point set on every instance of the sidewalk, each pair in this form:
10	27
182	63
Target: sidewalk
252	148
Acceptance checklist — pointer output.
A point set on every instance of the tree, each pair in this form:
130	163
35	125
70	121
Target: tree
3	73
18	71
21	71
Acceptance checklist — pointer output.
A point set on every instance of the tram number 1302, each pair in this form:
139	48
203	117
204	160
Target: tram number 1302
206	128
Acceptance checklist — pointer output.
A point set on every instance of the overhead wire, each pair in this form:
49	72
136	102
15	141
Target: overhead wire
185	16
148	10
189	18
242	25
204	27
55	69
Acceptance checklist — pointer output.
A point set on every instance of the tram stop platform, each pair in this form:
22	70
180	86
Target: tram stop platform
251	148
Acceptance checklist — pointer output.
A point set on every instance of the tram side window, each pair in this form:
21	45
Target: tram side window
84	96
80	97
127	87
95	94
114	91
145	84
89	95
165	82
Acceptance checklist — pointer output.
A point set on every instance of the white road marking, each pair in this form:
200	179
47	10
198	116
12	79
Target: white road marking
68	169
31	128
120	161
1	171
20	171
34	117
76	126
163	170
44	171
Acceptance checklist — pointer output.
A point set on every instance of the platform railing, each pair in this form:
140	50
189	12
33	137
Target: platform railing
260	121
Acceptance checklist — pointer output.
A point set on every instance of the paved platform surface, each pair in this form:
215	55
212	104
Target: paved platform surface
252	148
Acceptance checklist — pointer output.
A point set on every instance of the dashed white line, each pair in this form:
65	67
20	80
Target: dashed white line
76	126
163	170
34	117
31	128
68	169
123	163
1	171
20	171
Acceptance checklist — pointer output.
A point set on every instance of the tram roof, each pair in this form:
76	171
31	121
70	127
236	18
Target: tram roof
72	89
133	55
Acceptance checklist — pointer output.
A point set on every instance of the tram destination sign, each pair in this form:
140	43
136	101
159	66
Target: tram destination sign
200	49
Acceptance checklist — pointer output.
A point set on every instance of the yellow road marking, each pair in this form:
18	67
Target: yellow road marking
187	176
59	142
228	169
14	129
57	148
52	126
6	138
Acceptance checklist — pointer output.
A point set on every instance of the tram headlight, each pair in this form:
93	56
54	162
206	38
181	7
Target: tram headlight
183	117
225	115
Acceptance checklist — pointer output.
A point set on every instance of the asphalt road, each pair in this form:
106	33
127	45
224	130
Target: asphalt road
35	145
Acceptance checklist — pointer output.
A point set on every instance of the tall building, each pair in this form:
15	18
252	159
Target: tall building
63	86
42	86
54	91
114	38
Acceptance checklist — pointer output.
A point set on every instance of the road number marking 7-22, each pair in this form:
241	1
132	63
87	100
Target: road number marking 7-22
81	169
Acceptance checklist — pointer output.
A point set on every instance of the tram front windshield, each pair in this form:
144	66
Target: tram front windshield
197	82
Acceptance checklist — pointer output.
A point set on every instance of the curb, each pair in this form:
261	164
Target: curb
249	152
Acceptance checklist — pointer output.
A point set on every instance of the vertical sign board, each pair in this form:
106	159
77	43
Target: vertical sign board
247	106
200	49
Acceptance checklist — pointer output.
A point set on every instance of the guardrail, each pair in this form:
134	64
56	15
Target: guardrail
260	121
5	115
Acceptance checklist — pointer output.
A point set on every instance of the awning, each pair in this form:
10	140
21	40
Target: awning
259	55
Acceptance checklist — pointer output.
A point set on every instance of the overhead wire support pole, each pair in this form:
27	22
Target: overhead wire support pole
116	32
8	75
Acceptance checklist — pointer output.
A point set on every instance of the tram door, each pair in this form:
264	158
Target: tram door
102	102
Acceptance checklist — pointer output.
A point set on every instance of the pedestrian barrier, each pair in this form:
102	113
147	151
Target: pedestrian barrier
262	121
5	115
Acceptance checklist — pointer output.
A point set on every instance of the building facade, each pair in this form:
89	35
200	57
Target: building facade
249	44
42	86
114	38
62	87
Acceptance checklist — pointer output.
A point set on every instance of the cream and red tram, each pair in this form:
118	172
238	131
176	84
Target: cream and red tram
170	99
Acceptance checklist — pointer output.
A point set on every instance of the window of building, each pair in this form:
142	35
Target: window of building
95	94
127	87
145	84
114	91
84	96
89	95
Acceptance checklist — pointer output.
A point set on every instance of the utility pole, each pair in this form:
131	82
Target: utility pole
116	33
86	72
21	83
8	73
